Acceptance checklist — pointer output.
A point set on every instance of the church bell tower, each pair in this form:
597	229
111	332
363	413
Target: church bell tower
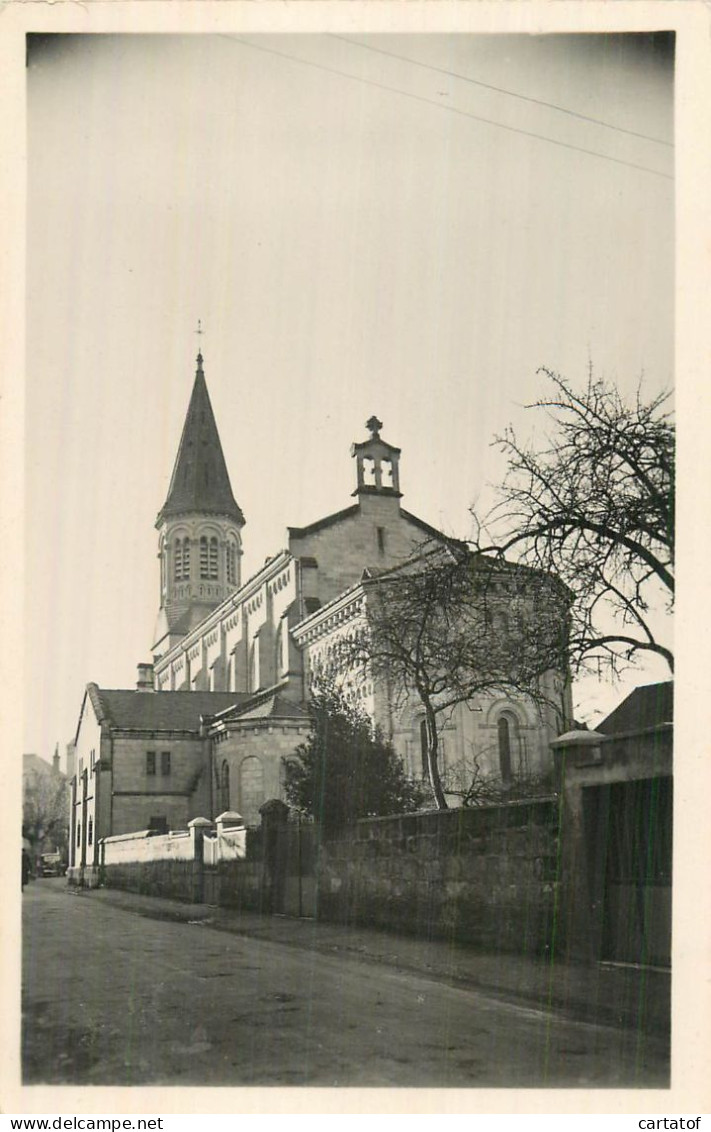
199	527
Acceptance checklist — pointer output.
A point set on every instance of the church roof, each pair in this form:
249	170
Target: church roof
200	481
276	707
647	706
128	710
271	704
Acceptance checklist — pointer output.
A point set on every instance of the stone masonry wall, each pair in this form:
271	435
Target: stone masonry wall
487	877
174	880
242	884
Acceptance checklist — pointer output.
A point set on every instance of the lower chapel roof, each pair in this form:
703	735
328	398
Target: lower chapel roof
160	711
181	711
274	705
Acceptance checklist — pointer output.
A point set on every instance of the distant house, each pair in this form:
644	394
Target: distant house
651	705
44	805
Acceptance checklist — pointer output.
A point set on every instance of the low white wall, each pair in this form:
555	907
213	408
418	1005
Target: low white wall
143	846
228	846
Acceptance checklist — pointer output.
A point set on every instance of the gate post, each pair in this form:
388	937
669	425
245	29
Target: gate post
229	820
580	907
274	815
197	829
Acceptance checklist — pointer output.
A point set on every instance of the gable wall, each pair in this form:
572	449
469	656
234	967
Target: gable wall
344	549
85	810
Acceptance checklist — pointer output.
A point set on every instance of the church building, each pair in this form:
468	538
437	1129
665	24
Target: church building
224	698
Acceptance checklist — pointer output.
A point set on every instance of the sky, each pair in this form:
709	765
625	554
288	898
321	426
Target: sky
405	225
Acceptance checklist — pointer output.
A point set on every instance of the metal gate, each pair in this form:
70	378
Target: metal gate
630	839
300	869
289	848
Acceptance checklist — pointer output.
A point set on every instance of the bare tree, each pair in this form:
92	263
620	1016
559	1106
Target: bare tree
476	786
450	625
595	507
45	810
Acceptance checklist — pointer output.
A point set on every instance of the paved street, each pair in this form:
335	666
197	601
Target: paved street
113	997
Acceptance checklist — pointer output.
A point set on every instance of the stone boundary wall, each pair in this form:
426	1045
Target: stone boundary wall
484	876
174	880
242	885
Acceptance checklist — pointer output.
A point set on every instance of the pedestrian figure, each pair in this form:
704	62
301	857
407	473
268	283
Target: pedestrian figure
26	849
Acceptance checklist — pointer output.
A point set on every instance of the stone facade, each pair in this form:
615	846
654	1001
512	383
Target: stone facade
248	757
244	645
469	733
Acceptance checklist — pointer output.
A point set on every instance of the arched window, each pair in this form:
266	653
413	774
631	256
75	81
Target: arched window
231	563
181	560
225	786
208	558
254	665
507	729
504	749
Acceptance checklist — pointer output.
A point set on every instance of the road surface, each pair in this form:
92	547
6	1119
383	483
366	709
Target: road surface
114	998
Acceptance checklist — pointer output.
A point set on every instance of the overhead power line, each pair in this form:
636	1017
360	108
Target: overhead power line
449	109
501	90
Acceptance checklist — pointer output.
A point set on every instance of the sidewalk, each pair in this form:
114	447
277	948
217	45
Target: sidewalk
620	996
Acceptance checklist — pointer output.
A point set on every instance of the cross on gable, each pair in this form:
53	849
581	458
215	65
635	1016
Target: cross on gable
374	426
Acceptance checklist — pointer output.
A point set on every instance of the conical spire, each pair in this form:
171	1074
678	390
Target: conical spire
200	482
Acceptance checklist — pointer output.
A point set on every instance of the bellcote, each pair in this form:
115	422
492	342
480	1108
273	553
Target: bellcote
377	464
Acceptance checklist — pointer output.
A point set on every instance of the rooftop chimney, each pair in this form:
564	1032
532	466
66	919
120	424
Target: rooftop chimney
145	678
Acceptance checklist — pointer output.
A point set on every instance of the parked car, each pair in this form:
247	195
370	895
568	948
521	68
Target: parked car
51	865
